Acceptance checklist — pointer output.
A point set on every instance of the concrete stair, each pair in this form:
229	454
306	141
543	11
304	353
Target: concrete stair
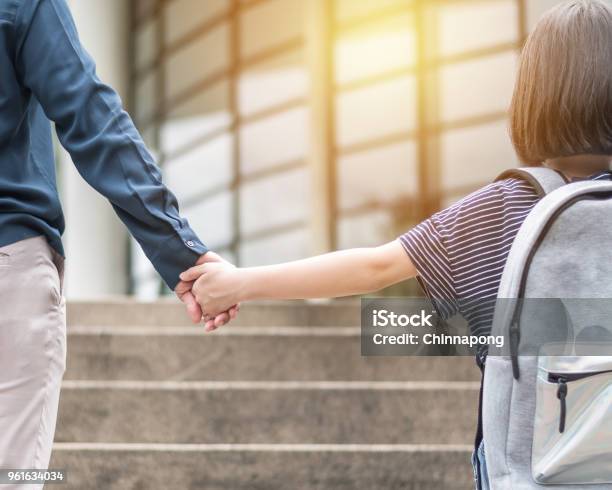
281	399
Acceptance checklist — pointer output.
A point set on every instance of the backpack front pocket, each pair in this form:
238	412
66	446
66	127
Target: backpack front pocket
572	438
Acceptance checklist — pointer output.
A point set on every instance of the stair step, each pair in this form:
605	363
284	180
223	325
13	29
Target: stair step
264	467
165	312
279	399
241	412
244	353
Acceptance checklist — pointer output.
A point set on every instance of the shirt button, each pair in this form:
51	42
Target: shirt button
190	243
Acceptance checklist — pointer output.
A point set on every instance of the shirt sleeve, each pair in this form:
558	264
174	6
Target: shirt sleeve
100	136
474	233
426	248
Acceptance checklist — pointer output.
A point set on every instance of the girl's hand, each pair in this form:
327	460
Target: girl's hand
218	287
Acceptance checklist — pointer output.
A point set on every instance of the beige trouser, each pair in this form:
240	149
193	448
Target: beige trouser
32	353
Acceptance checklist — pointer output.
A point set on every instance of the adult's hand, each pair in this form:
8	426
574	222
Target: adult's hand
184	292
217	286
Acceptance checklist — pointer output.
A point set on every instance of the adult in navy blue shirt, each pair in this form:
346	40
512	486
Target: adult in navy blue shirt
46	75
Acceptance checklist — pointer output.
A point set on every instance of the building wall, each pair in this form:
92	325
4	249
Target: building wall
282	139
95	240
416	92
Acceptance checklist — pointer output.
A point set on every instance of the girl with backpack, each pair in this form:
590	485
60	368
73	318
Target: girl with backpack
560	118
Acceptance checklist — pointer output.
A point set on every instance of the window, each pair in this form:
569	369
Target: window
418	92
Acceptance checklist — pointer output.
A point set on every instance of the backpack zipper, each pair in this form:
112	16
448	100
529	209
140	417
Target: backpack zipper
562	380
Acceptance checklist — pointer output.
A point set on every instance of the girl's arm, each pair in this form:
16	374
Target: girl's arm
343	273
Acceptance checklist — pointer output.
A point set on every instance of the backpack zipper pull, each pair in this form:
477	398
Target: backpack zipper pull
561	395
515	338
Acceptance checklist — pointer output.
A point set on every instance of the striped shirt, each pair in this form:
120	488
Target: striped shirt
460	253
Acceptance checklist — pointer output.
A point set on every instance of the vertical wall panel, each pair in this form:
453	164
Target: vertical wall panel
201	170
376	111
274	140
383	175
194	62
268	84
275	201
145	44
212	220
388	45
465	26
269	24
277	248
365	230
184	17
347	10
203	114
475	156
477	87
146	100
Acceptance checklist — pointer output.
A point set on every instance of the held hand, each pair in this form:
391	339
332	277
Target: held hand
218	286
184	292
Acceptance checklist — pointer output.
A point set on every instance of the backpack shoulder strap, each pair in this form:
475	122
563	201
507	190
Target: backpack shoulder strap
544	180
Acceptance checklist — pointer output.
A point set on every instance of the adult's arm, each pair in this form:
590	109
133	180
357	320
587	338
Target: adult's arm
100	136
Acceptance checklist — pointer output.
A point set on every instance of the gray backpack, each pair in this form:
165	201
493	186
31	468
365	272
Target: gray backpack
547	395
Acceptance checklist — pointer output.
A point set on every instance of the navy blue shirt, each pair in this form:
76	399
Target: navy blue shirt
46	75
